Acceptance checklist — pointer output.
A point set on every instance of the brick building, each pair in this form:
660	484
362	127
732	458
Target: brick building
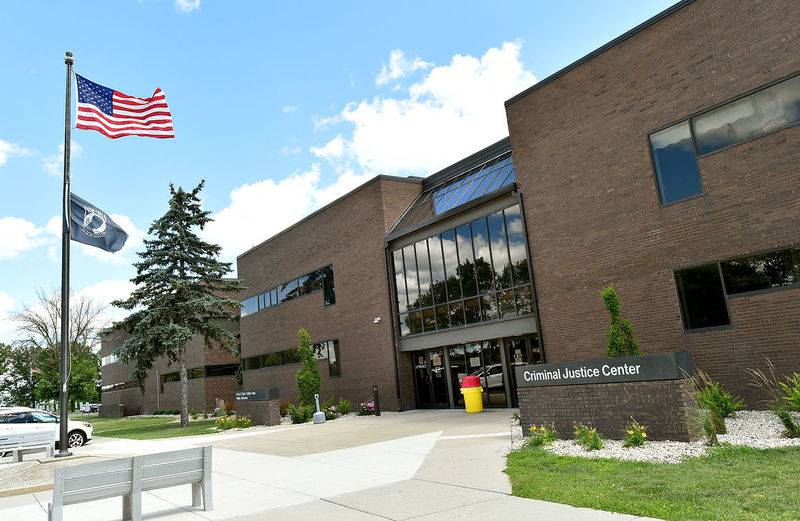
664	163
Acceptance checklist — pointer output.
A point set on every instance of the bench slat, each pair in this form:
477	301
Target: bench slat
166	469
167	457
101	467
171	481
98	480
92	494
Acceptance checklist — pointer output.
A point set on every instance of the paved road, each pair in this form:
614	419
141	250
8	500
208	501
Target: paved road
420	465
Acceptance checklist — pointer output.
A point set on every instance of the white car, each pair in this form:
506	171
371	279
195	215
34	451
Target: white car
25	418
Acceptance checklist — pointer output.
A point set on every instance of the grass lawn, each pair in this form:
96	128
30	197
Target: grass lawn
732	483
145	428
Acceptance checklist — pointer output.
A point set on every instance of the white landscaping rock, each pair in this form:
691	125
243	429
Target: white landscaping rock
757	429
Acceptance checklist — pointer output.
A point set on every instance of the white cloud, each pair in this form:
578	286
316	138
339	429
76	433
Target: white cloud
453	111
286	109
8	150
54	165
187	6
19	235
399	66
7	326
290	150
333	149
104	292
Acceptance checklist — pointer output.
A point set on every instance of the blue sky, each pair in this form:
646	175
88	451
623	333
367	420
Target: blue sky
279	106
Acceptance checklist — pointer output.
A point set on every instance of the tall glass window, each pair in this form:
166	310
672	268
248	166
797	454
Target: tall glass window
438	283
517	245
412	286
451	264
499	247
328	286
675	162
400	281
483	259
466	261
424	273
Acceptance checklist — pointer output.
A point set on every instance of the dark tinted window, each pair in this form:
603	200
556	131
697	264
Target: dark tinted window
328	286
472	311
747	118
516	245
456	313
334	363
428	320
301	285
466	266
15	417
412	285
400	280
442	317
253	362
290	356
483	259
437	270
675	163
221	370
424	273
763	271
415	322
451	264
272	359
702	298
499	247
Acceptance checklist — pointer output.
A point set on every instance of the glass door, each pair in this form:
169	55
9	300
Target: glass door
430	379
474	362
458	370
495	373
521	351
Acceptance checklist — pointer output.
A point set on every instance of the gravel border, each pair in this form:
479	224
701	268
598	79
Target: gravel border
757	429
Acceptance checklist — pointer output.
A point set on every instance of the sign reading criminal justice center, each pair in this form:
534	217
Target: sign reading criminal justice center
661	366
257	395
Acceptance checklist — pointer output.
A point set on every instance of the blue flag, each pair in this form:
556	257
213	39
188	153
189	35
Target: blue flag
94	227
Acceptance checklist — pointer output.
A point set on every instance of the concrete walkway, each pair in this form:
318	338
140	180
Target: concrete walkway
421	465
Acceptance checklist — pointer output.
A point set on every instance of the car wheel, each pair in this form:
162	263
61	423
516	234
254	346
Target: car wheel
76	439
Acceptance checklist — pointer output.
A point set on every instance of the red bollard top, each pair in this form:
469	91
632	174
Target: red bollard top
470	381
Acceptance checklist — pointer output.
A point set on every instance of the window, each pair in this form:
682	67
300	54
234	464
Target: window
15	417
43	417
499	247
334	362
466	265
675	162
400	281
517	245
450	251
109	359
321	279
424	274
702	297
770	109
483	260
221	370
438	283
412	285
762	271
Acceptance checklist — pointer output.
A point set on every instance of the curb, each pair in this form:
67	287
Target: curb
25	490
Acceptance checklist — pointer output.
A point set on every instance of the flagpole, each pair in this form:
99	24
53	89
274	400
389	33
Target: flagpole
63	446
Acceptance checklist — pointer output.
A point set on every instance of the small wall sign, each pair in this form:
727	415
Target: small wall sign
257	395
661	366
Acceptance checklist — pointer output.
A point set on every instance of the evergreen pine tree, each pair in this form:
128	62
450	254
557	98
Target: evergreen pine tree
180	285
309	381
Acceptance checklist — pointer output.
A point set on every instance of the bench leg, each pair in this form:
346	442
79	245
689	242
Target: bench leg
196	492
126	508
132	507
49	451
55	512
208	498
17	456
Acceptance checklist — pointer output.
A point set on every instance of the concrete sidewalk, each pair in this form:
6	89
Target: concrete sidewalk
393	467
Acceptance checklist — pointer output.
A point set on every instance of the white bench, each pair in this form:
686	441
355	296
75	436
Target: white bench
129	477
19	443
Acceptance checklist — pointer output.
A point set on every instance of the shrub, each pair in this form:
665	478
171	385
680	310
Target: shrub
284	407
300	413
587	437
635	434
779	396
309	381
344	406
708	420
221	409
541	435
791	391
331	413
712	396
233	422
195	414
621	341
166	412
366	408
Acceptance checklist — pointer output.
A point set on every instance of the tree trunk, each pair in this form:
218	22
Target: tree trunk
184	390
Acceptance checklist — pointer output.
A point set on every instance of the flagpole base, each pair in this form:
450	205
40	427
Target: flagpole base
62	454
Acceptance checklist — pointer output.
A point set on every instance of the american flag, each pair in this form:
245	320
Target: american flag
115	114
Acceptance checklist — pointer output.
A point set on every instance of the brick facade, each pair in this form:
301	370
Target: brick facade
348	234
580	145
664	406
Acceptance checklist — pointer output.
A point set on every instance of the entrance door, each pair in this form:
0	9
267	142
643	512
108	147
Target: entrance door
430	379
521	351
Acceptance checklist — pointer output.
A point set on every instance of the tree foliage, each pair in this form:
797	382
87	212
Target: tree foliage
17	381
180	284
309	381
620	336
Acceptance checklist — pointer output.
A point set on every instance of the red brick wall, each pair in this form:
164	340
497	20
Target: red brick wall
349	235
583	165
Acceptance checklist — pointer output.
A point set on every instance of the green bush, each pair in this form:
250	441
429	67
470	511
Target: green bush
309	381
712	396
540	436
621	341
300	413
196	414
166	412
791	427
587	437
780	395
284	407
233	422
791	391
708	421
344	406
635	434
